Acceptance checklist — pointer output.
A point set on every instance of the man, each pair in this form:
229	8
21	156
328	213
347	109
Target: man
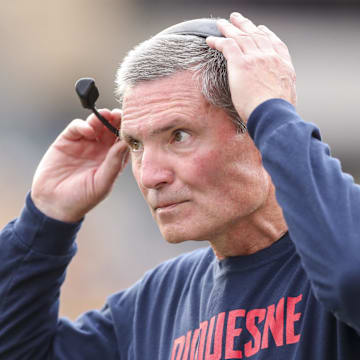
280	279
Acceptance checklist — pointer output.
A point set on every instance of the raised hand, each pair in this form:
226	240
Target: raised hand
79	168
259	64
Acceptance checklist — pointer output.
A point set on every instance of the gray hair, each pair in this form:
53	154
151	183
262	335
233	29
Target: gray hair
164	55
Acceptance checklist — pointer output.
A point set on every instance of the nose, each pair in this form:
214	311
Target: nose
156	170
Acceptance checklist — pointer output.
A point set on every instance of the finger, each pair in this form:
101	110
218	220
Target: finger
244	41
212	42
78	129
242	23
116	117
114	162
94	121
227	46
102	132
259	37
277	44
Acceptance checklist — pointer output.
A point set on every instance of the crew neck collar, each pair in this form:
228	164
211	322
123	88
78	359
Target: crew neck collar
247	262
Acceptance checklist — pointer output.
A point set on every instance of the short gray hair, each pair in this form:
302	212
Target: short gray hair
164	55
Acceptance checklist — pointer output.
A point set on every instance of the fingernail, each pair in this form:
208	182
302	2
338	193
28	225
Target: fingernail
236	14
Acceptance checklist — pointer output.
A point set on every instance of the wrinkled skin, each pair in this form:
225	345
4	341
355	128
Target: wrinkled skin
201	179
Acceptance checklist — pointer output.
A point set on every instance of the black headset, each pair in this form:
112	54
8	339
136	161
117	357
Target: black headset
89	93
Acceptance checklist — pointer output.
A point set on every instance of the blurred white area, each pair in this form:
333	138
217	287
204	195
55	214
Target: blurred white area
47	45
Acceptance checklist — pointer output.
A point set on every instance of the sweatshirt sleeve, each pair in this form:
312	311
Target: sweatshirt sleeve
321	204
34	253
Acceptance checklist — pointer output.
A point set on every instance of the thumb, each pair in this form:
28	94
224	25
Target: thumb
114	162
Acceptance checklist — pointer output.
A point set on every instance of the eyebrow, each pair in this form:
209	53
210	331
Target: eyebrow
173	124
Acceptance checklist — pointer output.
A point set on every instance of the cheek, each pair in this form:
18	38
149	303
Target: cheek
208	168
231	175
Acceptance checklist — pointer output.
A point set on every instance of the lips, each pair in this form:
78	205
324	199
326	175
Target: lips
170	204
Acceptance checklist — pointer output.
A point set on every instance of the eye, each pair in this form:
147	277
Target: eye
180	136
135	145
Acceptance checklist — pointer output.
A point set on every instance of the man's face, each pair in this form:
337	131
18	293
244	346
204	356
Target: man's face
199	177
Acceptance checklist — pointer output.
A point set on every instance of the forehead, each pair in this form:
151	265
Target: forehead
148	103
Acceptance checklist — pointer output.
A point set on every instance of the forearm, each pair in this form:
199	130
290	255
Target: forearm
321	204
34	253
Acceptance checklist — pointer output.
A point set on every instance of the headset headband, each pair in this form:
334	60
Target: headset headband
197	27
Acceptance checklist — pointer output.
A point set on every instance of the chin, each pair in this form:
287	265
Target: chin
175	235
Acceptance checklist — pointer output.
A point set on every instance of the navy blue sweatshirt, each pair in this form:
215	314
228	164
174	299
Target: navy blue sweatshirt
297	299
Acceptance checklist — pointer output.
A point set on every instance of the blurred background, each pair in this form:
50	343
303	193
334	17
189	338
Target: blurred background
47	45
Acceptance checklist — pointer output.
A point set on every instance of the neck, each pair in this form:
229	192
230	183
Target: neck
253	233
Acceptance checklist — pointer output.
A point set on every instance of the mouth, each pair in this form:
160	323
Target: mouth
168	206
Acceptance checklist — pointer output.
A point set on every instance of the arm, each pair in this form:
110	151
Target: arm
35	251
34	254
77	172
321	204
